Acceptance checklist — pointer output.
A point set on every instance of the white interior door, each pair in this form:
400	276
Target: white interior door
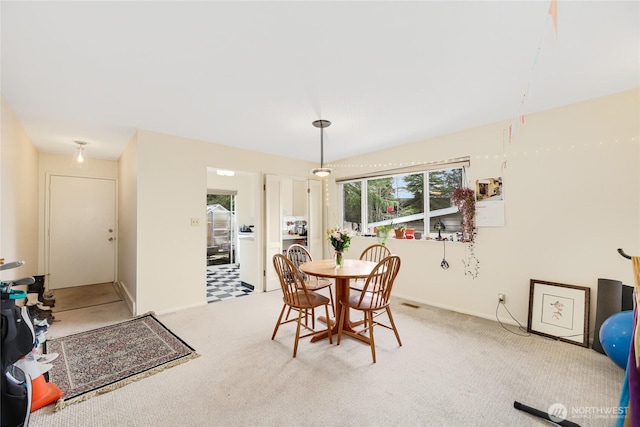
81	231
273	228
315	230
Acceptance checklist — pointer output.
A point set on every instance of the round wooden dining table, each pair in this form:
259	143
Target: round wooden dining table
352	269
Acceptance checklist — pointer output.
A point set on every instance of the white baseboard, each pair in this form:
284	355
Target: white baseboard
184	307
458	310
131	304
128	299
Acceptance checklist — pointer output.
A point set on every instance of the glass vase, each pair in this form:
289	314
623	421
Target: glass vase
339	259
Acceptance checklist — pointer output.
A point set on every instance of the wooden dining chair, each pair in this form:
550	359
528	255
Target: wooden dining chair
298	255
296	295
374	297
375	253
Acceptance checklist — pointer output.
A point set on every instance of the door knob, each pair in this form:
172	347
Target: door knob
111	239
111	230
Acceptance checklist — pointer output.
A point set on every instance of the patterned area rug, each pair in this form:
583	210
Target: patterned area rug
103	359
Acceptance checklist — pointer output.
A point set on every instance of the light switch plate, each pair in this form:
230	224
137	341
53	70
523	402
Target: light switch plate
195	222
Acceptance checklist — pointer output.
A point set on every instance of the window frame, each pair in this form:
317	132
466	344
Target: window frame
425	171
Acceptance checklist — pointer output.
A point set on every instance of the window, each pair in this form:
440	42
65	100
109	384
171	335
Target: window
352	202
419	200
221	215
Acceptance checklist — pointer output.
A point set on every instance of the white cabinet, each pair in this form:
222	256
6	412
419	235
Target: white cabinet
285	196
293	197
299	199
315	230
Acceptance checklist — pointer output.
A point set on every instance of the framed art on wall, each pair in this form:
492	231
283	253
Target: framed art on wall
559	311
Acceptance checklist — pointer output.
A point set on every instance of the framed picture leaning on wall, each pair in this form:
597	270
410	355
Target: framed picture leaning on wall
559	311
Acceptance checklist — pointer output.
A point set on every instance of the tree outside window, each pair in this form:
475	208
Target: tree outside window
401	199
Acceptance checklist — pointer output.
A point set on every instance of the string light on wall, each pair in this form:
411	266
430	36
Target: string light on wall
511	153
391	166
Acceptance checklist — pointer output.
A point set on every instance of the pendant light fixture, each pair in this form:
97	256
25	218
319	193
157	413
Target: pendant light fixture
80	151
322	171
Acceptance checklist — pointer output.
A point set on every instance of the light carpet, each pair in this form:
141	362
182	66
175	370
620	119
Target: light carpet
452	370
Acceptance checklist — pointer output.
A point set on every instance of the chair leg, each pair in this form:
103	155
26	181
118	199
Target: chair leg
295	346
341	322
306	317
313	319
278	322
333	305
369	315
393	325
326	309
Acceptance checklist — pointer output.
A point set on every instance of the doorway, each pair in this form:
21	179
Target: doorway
221	228
223	269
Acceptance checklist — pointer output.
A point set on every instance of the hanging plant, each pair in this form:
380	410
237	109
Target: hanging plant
465	199
471	263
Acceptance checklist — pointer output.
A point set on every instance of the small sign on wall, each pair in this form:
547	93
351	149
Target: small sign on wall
489	202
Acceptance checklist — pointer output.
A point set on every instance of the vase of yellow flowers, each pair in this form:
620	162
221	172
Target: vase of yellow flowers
340	239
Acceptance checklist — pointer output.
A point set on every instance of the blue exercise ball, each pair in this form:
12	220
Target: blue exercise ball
615	336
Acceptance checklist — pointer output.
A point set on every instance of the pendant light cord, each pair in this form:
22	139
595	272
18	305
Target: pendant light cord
321	146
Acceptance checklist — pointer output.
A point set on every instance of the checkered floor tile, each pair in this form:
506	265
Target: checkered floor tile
223	282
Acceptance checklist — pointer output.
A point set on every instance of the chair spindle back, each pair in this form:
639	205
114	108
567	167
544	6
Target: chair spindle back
298	255
375	253
377	288
291	281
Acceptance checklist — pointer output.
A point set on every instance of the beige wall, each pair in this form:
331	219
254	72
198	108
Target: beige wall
572	197
18	196
54	164
571	185
171	189
128	222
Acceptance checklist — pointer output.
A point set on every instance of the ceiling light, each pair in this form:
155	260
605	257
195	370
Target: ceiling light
223	172
322	171
80	151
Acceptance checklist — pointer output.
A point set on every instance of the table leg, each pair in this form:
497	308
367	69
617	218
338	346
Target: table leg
342	294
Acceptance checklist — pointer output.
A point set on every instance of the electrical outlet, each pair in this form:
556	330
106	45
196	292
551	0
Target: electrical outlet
195	222
502	298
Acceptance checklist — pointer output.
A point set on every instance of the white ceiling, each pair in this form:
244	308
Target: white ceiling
256	74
